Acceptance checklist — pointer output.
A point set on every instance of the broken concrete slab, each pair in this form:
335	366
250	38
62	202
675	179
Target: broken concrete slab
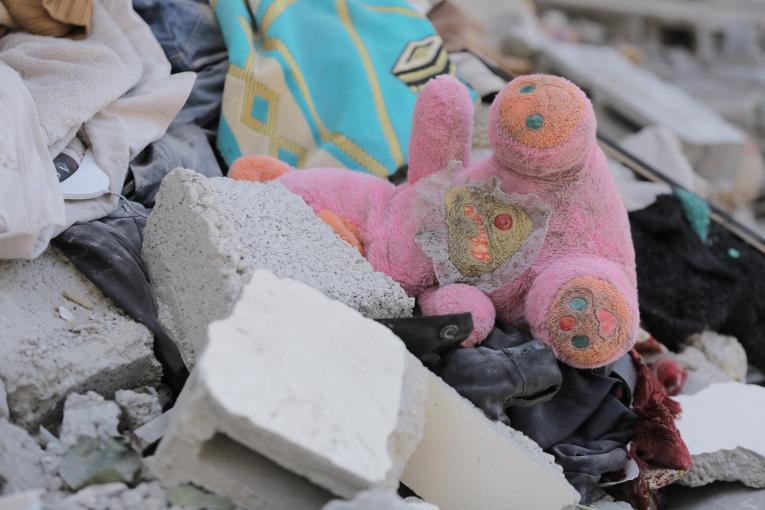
88	415
722	426
379	499
467	461
20	460
138	407
342	406
44	357
724	351
99	460
206	236
608	503
29	500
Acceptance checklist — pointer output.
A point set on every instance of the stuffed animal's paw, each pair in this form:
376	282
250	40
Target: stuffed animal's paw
257	168
589	323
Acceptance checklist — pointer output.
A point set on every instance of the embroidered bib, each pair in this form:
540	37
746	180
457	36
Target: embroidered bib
474	232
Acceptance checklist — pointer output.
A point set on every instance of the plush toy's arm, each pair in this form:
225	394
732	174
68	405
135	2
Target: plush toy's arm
442	127
458	298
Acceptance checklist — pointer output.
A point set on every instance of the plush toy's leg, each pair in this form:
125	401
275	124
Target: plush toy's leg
442	127
458	298
585	309
257	168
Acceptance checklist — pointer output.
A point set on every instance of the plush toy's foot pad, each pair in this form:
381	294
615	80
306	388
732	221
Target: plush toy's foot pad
589	323
347	231
257	168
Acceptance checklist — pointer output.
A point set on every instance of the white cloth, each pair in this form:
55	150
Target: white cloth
31	206
114	86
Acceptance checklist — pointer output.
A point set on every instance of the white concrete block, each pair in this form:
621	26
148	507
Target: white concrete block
299	380
44	357
722	426
206	236
466	461
88	415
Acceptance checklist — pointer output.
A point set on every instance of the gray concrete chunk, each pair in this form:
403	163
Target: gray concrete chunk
20	460
88	415
44	357
206	236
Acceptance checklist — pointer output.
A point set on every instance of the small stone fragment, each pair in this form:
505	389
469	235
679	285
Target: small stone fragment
151	432
138	407
21	501
65	314
79	298
193	498
97	460
724	351
722	426
88	415
20	460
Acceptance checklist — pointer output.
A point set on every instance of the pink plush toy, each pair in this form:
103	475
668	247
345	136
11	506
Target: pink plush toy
536	234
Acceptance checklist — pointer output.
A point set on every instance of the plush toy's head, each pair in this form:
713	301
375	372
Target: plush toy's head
541	126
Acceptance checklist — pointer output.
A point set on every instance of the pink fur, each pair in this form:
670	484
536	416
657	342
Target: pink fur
587	234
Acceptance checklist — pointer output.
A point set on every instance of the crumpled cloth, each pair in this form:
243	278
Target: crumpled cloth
31	205
114	86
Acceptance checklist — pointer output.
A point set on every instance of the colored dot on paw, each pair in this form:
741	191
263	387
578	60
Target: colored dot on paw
578	304
608	323
733	252
534	121
567	323
527	88
503	222
580	342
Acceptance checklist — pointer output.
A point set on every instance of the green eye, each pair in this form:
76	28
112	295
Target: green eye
577	304
580	342
534	121
527	88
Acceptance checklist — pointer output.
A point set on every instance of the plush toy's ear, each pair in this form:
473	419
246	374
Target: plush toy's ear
258	168
442	127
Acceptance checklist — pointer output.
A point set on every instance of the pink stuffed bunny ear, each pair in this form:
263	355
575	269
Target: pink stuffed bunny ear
442	127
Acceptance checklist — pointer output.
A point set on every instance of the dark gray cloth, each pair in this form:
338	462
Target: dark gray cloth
506	370
190	37
108	252
585	425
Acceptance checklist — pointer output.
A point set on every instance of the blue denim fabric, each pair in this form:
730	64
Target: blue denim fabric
188	32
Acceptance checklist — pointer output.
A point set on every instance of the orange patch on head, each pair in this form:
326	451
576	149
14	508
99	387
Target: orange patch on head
540	112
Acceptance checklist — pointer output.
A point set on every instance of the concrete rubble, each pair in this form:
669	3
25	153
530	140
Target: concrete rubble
20	460
724	351
722	426
44	357
245	376
29	500
379	499
138	407
88	415
206	236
